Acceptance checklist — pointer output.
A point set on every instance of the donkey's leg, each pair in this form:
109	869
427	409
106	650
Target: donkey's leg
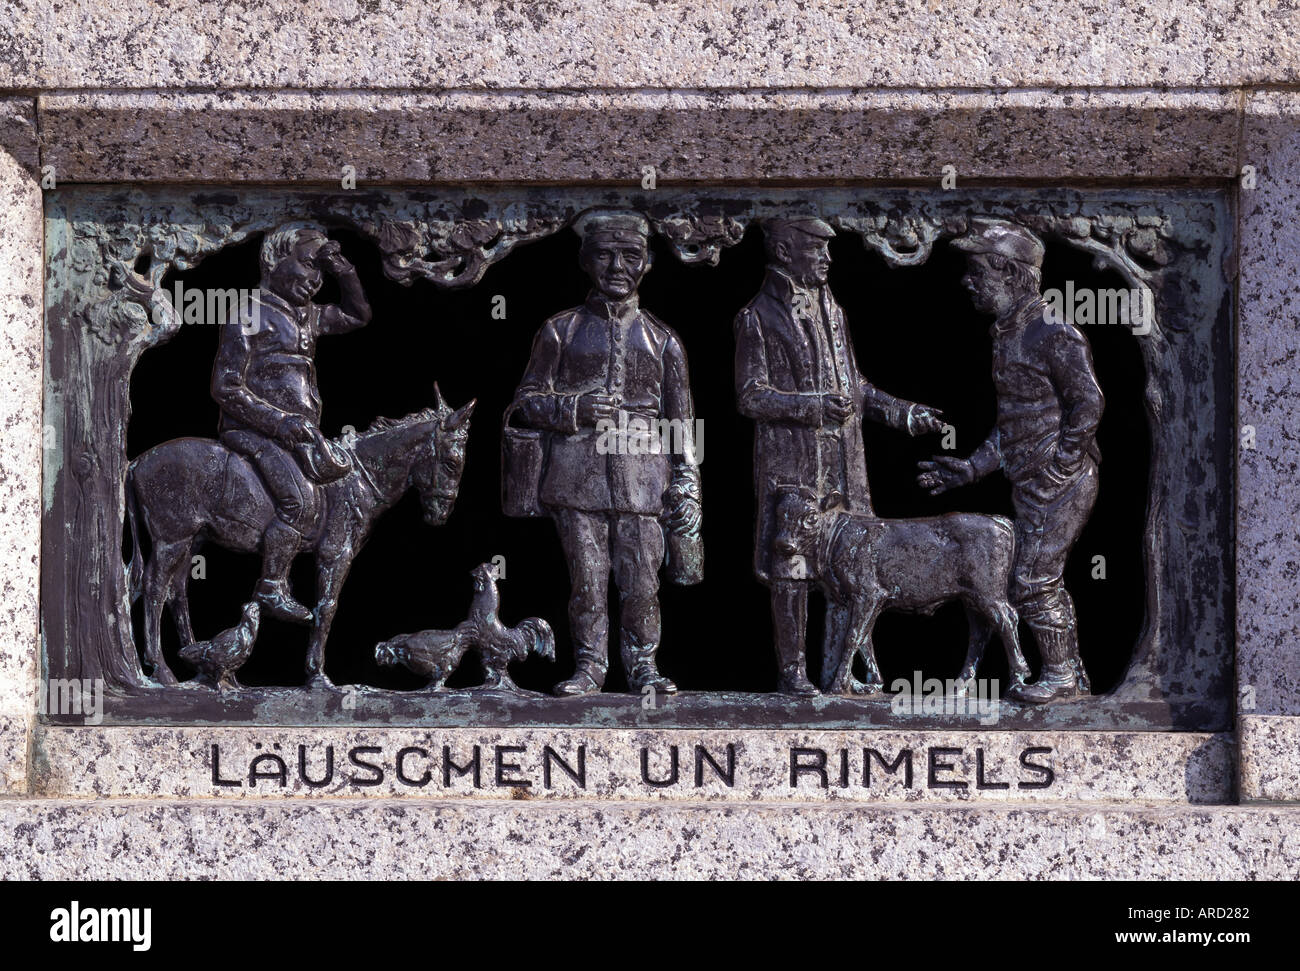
153	607
180	602
158	578
330	575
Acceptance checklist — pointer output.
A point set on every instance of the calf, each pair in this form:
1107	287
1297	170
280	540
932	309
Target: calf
866	565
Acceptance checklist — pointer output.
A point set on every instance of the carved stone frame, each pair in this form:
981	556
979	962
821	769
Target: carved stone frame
1084	137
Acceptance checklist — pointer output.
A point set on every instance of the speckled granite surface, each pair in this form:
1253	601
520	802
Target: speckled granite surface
387	839
688	136
1270	758
625	43
1268	369
987	767
21	271
829	90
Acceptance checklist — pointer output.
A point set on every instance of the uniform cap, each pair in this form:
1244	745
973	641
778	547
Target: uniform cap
625	225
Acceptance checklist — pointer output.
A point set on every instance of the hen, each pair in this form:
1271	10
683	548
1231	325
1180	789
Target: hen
437	653
218	659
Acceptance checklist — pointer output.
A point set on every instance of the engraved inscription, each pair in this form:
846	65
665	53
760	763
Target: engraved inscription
677	766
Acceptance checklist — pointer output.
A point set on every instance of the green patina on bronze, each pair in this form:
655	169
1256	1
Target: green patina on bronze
109	249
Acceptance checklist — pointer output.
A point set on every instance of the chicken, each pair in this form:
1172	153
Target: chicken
437	653
432	653
219	658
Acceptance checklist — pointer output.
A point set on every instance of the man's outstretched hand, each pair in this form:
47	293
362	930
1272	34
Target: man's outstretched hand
944	473
923	420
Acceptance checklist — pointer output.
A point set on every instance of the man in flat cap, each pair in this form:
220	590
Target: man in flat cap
798	379
596	369
1045	441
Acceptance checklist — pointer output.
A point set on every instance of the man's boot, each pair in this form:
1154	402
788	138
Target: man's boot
1060	677
789	630
792	674
279	547
639	662
588	678
1085	683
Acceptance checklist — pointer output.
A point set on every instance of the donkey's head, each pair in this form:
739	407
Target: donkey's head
440	461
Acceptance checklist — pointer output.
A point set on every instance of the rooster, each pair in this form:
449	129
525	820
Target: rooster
219	658
437	653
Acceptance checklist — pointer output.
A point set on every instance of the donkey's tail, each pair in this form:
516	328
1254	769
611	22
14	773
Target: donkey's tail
134	569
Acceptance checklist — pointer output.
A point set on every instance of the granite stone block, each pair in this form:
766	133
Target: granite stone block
395	839
1268	389
409	44
621	765
1270	758
687	137
21	433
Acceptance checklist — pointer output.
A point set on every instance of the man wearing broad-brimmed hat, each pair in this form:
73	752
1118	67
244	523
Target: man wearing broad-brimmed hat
595	370
798	379
1045	441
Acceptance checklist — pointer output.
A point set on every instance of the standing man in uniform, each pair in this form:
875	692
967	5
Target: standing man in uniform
594	370
797	377
264	382
1045	441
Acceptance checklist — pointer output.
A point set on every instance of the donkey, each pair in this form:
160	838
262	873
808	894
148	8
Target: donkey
193	489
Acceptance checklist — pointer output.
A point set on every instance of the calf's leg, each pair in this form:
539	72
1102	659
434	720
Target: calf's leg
1007	622
862	620
980	632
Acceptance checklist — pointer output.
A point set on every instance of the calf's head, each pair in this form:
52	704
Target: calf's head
799	528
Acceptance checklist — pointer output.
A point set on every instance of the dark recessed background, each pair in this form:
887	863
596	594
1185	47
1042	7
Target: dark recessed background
916	336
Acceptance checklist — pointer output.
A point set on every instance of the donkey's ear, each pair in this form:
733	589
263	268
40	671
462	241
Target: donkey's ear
460	416
437	398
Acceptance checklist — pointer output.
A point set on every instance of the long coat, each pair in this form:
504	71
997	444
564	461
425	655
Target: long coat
785	362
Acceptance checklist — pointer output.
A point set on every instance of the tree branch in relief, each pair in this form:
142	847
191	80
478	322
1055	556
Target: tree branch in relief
471	245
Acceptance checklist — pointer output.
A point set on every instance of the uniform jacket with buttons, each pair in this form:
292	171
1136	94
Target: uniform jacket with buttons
618	349
793	346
